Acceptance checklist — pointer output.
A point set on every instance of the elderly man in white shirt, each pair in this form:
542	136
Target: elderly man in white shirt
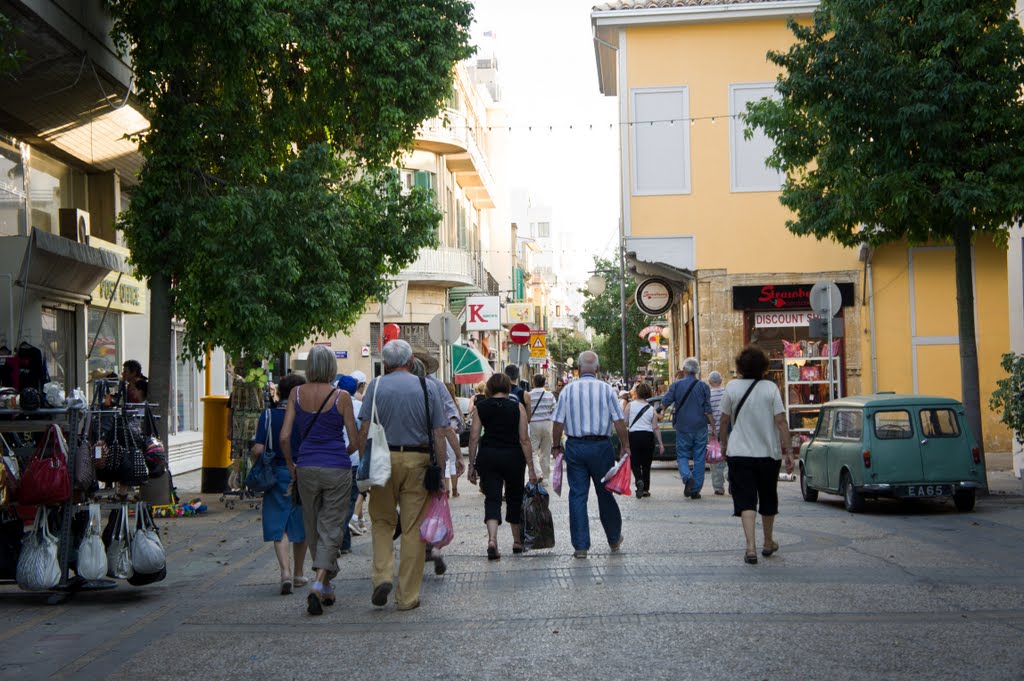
584	411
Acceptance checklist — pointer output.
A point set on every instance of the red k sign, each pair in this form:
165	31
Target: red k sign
483	313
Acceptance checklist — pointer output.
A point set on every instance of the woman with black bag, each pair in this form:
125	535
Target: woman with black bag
321	467
499	459
644	430
754	409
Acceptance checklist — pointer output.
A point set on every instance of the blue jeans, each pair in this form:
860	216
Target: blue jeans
587	460
692	446
346	542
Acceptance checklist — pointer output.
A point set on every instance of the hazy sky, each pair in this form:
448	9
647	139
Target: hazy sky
549	79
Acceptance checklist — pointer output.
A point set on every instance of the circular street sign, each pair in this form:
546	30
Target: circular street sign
519	334
654	296
444	328
826	299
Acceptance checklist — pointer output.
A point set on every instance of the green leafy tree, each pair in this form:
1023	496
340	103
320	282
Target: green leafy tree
268	209
903	120
602	314
10	55
1008	398
564	344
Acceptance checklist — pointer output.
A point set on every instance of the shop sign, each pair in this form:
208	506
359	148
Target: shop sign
654	296
775	320
483	313
781	296
520	313
128	295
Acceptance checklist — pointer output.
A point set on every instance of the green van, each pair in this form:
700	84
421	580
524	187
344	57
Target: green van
888	445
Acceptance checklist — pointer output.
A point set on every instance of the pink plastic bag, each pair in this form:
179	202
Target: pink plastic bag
714	454
437	528
556	474
618	478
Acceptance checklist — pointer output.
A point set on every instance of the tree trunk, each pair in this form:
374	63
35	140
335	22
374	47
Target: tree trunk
158	490
970	391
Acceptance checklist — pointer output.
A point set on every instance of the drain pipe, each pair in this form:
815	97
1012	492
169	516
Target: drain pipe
868	253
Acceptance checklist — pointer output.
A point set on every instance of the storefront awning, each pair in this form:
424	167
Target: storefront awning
469	366
671	258
64	268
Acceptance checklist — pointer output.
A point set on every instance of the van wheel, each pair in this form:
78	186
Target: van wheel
808	493
964	500
852	499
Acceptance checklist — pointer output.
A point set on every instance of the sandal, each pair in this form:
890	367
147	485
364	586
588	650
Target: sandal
769	549
313	605
750	558
286	586
492	551
299	581
518	548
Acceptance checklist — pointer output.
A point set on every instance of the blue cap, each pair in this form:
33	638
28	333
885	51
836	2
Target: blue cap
348	384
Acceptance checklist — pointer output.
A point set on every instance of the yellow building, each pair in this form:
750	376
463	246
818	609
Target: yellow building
700	212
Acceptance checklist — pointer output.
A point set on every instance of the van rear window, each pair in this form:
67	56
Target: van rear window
939	423
893	425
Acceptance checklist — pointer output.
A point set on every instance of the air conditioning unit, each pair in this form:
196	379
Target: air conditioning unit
74	225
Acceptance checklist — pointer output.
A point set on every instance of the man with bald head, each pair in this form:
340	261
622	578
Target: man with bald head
585	410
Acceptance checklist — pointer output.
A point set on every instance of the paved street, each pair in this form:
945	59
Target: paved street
900	592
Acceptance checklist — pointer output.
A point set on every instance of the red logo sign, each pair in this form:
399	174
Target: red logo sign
474	314
794	297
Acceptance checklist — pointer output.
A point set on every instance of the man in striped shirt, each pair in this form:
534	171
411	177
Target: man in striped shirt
584	411
543	402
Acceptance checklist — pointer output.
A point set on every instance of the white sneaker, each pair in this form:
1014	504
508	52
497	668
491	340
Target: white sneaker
353	527
362	526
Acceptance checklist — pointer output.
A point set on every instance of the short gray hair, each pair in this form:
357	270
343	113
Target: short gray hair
691	366
321	365
396	354
715	378
588	360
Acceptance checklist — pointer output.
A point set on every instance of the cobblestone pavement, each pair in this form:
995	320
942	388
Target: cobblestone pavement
902	591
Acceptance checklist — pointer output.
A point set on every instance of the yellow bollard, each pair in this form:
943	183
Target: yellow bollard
216	445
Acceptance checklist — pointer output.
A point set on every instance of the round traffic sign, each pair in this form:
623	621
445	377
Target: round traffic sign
444	328
826	299
519	334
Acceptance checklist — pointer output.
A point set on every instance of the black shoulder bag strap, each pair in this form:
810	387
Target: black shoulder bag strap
539	400
641	413
743	399
432	478
687	394
317	415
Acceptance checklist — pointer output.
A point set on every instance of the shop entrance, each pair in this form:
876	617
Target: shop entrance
60	343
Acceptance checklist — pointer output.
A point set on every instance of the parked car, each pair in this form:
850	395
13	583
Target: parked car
888	445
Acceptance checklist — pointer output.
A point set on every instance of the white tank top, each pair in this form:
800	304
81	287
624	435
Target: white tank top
645	422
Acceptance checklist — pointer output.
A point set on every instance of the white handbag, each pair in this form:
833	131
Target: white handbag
119	553
92	555
148	555
38	568
380	454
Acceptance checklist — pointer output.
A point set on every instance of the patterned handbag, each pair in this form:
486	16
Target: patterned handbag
108	451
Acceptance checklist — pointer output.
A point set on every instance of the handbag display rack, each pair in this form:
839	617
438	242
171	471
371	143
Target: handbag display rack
39	421
70	421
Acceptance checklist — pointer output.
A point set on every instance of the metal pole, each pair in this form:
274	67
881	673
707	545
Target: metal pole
831	359
622	297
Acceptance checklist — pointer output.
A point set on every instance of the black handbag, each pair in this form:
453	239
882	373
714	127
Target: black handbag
133	470
153	449
434	475
111	445
12	530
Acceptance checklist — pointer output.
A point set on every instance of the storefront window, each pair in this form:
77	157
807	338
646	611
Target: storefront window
59	345
184	403
12	189
105	341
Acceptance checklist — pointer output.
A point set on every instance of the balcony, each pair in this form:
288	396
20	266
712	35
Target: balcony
446	267
442	136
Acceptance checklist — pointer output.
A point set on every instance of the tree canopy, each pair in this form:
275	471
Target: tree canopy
900	119
903	120
269	200
602	314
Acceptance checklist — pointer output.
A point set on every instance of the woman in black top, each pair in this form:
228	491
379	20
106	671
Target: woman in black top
499	459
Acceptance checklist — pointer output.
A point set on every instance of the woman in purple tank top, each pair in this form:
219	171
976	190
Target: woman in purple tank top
321	467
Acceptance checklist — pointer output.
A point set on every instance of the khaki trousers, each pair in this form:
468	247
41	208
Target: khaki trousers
325	494
406	491
540	440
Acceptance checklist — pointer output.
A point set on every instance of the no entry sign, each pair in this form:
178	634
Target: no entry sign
519	334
